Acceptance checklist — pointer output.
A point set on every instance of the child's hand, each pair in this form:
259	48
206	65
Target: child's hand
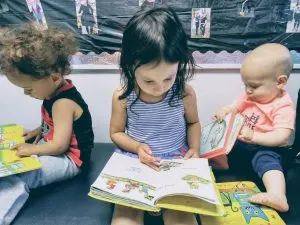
220	115
192	153
37	133
145	156
246	134
23	149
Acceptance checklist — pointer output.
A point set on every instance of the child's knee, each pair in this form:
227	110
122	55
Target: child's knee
264	161
172	217
126	215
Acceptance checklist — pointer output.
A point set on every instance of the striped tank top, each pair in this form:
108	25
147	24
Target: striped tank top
159	125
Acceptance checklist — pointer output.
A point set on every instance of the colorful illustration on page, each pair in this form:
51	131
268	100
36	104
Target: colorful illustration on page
167	165
194	181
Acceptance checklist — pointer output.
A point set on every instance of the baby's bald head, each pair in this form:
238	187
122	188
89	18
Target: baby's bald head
268	60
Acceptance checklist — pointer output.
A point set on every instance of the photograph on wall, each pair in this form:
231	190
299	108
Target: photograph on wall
246	9
37	13
293	26
3	6
200	23
86	16
141	2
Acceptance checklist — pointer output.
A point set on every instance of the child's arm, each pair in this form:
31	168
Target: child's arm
64	111
278	137
33	133
193	124
120	138
283	126
118	123
224	111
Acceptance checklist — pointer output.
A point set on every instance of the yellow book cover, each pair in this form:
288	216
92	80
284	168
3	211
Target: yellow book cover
238	211
185	185
10	163
11	135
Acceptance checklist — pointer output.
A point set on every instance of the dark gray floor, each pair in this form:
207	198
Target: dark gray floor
67	202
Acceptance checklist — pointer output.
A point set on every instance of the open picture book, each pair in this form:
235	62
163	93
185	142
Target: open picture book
186	185
238	210
10	163
218	138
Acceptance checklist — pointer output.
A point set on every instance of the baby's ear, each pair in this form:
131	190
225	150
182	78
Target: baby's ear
282	81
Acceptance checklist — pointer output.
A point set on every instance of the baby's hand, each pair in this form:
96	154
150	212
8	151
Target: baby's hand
220	115
246	134
192	153
145	156
23	149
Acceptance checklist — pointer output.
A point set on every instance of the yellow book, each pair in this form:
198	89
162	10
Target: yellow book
11	135
185	185
238	211
10	163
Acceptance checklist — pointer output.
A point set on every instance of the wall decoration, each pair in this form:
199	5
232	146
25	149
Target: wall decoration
86	15
36	10
200	23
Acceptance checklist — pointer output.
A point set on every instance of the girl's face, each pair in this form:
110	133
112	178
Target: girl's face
39	89
155	79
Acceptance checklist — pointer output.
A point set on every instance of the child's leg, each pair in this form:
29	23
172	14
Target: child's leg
54	169
275	196
13	195
15	189
267	165
126	215
172	217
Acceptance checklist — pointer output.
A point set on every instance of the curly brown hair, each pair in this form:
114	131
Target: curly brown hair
36	53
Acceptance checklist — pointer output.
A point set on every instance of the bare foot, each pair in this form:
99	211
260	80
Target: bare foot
272	200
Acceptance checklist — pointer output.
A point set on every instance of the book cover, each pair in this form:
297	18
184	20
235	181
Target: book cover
10	135
238	210
218	138
185	185
10	163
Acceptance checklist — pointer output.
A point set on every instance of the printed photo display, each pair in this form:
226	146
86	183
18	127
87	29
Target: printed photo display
200	23
37	13
293	26
86	16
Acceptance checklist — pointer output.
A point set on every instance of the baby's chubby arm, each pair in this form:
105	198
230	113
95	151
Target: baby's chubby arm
278	137
224	111
63	112
283	125
120	138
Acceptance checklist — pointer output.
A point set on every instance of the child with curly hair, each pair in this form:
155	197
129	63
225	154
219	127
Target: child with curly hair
37	62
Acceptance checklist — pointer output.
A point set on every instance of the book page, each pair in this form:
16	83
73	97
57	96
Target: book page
235	130
213	135
11	135
127	178
11	164
186	177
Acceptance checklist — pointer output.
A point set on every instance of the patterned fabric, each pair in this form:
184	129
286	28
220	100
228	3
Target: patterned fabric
160	125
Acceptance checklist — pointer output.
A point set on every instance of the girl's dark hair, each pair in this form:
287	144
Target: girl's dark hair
36	53
151	36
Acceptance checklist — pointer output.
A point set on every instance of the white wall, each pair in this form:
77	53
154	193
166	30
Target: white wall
214	89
